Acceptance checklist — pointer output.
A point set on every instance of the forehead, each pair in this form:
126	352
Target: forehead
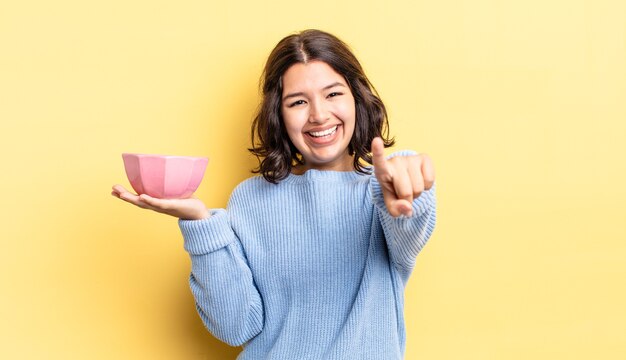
312	75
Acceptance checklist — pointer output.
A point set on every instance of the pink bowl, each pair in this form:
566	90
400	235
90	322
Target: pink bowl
164	176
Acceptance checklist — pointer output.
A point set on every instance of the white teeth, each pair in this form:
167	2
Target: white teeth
325	132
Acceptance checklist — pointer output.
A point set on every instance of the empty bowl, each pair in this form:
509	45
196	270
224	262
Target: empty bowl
164	176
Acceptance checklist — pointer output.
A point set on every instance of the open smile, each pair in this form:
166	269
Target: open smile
324	136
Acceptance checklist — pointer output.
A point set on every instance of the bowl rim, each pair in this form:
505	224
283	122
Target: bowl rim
143	155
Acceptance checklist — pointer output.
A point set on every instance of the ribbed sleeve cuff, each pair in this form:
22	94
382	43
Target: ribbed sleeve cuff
402	153
207	235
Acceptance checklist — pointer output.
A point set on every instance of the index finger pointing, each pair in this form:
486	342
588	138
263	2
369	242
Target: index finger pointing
378	157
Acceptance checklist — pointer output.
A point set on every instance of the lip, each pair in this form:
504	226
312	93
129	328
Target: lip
325	140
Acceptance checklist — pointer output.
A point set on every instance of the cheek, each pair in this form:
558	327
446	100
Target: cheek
292	134
293	126
349	119
347	107
347	112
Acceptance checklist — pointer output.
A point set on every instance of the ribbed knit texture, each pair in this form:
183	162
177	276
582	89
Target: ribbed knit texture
311	268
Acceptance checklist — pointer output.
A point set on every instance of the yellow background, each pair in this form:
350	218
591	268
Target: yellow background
521	104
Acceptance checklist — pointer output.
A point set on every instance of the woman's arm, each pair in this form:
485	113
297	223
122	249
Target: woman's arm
404	196
406	236
221	281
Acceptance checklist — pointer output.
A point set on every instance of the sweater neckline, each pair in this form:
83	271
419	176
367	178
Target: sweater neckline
323	175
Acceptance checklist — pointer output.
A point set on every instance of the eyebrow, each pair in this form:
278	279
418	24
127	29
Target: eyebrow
324	88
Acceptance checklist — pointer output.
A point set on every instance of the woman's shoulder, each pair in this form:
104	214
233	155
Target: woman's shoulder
256	186
254	191
251	185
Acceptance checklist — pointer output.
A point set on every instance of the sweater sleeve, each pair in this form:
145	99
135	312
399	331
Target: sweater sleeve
226	298
405	236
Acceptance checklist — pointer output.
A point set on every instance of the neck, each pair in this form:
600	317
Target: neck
343	164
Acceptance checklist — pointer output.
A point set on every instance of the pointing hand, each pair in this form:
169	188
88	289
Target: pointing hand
402	178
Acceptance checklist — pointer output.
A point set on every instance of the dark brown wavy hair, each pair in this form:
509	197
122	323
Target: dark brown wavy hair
270	141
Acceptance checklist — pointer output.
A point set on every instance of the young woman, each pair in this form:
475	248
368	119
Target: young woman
310	260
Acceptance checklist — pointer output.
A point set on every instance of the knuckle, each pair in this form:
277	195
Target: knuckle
416	160
418	188
384	177
393	211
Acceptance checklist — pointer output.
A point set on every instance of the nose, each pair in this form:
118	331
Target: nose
318	112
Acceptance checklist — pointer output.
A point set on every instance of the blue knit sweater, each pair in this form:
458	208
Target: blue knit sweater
311	268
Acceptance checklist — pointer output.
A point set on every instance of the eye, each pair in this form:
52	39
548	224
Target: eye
297	102
333	94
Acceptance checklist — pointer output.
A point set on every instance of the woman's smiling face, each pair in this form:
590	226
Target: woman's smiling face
319	114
